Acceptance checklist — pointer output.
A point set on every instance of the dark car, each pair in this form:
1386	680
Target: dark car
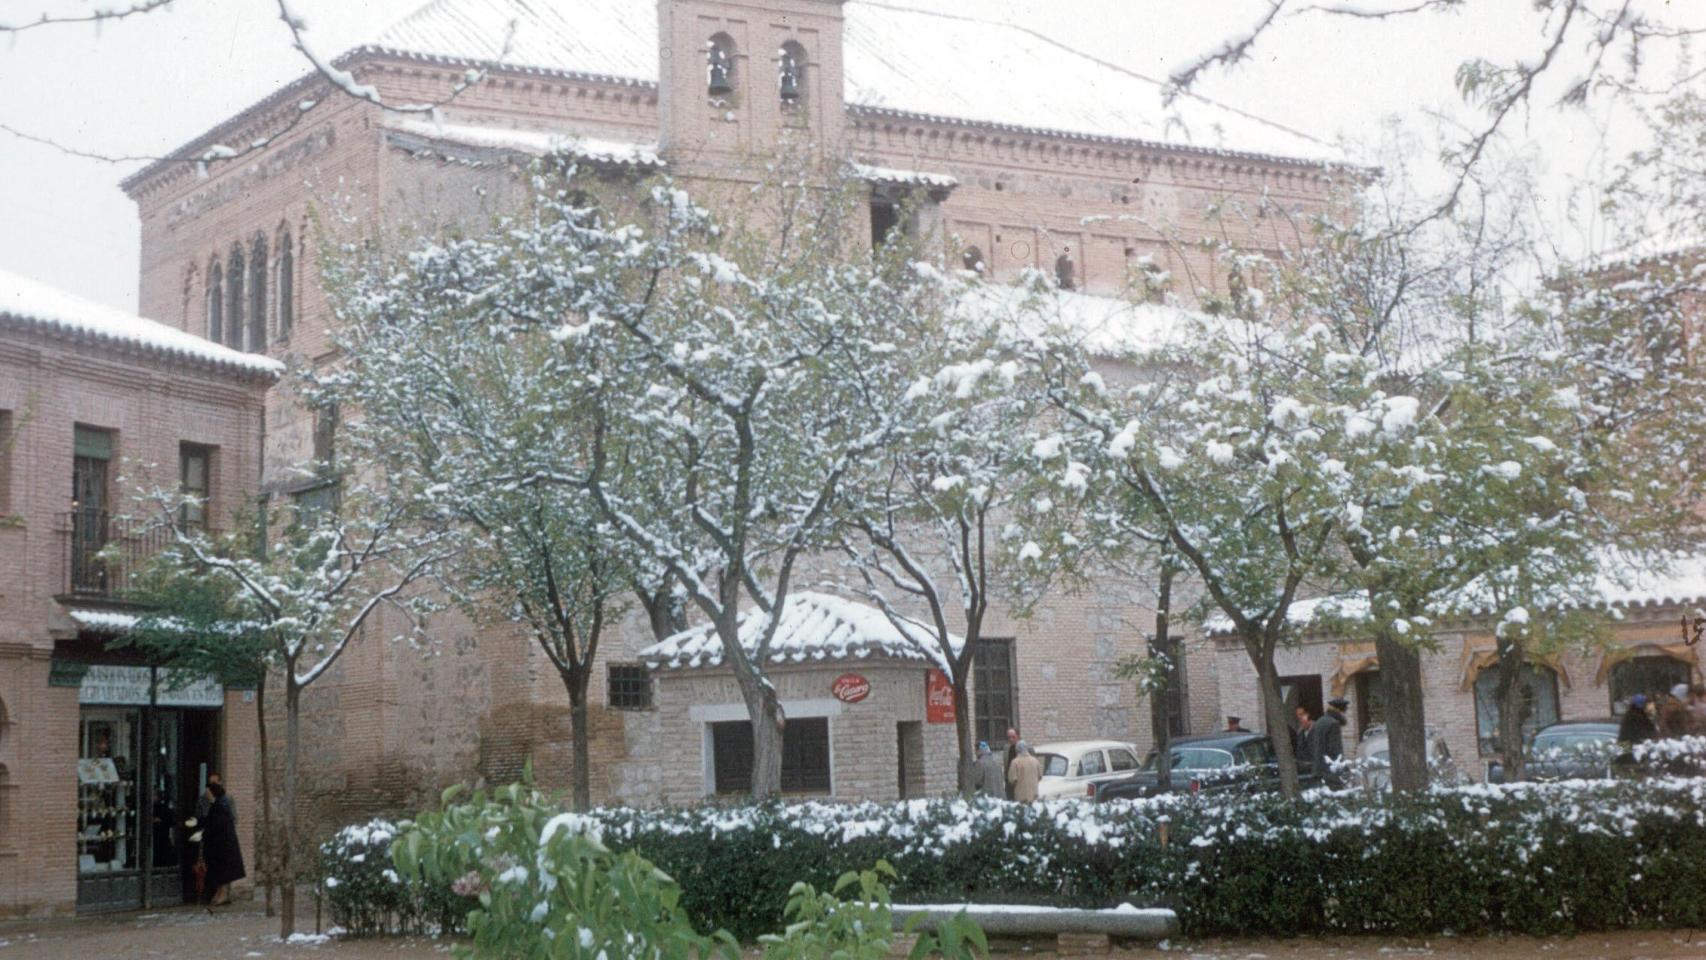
1211	763
1570	750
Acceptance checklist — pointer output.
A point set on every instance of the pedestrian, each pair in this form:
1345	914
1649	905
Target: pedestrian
1300	739
1327	740
1672	714
205	801
1637	726
1012	754
1024	773
220	848
988	774
1235	725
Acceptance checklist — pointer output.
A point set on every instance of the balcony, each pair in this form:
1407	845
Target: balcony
102	552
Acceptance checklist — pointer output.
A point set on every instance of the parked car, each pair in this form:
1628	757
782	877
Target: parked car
1210	763
1070	767
1567	750
1374	756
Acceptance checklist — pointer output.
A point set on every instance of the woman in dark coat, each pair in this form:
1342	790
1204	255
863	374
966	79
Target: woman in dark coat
219	847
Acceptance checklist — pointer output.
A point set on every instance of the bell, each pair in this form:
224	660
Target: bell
718	72
790	87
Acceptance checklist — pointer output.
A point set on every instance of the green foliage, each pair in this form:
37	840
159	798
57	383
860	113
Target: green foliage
821	925
369	897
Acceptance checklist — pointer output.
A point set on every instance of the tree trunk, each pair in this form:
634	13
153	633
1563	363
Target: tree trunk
1274	718
583	763
287	831
1406	722
1160	716
264	846
962	720
1512	709
767	723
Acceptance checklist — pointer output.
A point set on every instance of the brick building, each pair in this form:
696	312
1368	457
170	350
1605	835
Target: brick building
97	764
1081	175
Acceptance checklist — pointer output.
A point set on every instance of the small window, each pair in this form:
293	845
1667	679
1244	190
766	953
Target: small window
630	686
791	73
1064	272
258	295
195	463
1119	760
720	66
885	220
235	301
286	286
326	438
1539	704
1090	764
315	505
216	303
805	756
972	259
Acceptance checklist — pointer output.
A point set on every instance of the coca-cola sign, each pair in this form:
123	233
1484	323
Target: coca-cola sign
938	698
850	688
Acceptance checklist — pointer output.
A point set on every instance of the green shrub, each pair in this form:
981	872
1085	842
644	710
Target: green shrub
367	895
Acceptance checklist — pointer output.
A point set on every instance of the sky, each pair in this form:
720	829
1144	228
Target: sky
147	84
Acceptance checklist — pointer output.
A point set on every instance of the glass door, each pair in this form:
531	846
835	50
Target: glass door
165	809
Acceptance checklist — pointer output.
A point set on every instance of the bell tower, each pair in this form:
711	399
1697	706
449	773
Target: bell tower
749	77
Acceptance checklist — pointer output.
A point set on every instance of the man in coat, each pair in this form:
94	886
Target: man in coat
1300	739
988	774
1327	740
1024	773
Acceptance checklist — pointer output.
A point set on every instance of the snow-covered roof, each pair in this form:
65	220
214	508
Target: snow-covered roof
536	142
815	627
907	178
896	59
1620	585
102	621
34	305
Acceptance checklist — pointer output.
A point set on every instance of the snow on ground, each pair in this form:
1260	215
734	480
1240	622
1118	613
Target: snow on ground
31	303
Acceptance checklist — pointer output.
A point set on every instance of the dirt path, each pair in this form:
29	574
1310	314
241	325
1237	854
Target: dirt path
243	933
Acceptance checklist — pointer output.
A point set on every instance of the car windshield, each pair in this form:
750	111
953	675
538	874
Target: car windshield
1054	765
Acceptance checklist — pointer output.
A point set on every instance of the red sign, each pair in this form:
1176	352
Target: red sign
938	698
850	688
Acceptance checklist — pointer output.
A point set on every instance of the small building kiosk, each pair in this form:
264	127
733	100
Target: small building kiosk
856	691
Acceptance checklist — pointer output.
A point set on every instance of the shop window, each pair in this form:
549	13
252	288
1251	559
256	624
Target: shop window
805	756
235	272
1539	704
1370	701
995	695
258	295
107	837
629	686
195	467
216	303
286	285
720	66
1651	675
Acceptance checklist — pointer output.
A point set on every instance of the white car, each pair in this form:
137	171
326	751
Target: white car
1375	760
1071	766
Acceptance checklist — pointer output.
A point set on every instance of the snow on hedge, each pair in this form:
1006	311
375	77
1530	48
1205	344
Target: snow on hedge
32	303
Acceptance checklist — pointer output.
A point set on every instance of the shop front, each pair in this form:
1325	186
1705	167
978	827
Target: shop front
147	739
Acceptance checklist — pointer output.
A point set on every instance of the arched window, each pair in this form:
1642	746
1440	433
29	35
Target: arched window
234	299
286	285
791	73
1063	272
720	65
973	261
215	303
1539	703
258	295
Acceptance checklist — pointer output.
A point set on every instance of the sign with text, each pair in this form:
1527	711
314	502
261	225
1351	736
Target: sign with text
850	688
938	697
111	684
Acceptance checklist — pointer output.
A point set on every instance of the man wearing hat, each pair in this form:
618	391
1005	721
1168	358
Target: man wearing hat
1327	740
988	774
1637	726
1235	725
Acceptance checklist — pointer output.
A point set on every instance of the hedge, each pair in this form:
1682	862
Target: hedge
1522	858
366	893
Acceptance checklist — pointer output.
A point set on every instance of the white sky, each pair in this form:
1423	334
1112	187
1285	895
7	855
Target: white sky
146	85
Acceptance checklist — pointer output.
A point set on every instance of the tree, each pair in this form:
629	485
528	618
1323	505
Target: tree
461	411
729	380
311	594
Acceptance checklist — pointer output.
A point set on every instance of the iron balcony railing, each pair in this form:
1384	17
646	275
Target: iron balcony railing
103	551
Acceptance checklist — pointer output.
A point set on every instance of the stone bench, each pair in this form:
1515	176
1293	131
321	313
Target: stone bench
1076	931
